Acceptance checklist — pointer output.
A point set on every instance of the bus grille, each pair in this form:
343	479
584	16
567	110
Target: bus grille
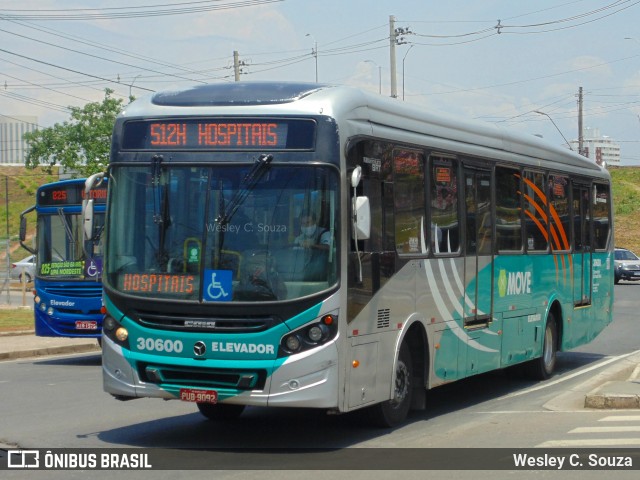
76	290
202	377
192	323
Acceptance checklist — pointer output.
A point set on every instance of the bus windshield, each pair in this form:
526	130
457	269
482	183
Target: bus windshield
62	252
224	233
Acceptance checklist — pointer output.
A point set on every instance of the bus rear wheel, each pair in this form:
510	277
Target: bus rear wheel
543	367
220	412
394	411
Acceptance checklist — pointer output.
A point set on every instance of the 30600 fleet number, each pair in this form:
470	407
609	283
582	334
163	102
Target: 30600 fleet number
159	345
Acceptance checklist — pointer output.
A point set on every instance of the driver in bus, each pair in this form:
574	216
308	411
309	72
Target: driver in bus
315	241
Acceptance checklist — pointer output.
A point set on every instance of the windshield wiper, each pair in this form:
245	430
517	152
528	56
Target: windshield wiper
67	228
161	215
250	180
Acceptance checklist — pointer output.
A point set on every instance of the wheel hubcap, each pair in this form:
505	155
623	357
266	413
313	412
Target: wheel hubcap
402	384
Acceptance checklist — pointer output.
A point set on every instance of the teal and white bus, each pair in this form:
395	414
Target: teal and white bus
306	245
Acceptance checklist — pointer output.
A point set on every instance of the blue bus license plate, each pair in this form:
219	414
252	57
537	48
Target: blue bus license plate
198	396
86	325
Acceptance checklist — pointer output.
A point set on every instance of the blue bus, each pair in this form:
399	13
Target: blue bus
67	288
305	245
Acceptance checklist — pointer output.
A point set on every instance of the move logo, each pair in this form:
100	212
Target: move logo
514	283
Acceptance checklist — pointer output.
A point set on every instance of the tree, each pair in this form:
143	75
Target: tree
80	144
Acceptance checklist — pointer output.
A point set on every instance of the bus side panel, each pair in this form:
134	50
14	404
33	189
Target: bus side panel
599	315
458	351
525	284
373	336
441	297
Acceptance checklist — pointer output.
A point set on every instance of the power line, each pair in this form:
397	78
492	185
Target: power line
98	57
33	101
127	12
63	68
108	48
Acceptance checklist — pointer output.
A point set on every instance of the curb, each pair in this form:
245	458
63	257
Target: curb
40	352
615	397
618	394
17	333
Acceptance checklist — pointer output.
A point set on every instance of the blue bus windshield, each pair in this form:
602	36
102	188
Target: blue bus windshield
62	252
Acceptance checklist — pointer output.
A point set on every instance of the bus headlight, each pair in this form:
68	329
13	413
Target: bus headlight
310	336
50	311
315	333
110	324
122	334
112	329
292	343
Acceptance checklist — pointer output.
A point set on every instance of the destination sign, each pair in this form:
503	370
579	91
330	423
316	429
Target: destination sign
219	134
71	194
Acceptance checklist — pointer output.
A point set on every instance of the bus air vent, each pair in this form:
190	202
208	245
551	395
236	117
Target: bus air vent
384	315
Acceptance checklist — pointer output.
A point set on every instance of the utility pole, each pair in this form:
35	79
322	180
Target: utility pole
395	38
6	281
392	55
236	66
580	136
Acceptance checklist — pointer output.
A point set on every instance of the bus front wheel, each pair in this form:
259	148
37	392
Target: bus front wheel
394	411
220	412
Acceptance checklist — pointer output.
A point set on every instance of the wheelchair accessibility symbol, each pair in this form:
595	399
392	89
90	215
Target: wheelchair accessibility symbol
93	267
220	285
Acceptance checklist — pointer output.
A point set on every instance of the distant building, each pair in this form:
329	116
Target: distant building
599	148
13	148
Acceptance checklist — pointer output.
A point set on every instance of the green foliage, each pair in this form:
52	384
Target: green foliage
626	203
626	190
17	193
80	144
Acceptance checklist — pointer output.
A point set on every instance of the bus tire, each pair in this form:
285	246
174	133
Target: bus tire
220	412
394	411
543	367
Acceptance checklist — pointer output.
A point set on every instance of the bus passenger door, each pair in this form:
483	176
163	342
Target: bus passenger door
479	247
481	353
582	246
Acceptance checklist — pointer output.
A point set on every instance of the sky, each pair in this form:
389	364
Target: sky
497	61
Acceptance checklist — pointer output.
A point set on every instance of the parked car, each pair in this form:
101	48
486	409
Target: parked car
26	266
627	265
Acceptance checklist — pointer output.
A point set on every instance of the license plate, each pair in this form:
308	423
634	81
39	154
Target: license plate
86	325
198	396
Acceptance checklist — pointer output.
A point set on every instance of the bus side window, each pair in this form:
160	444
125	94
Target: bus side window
601	216
508	209
535	212
443	186
409	201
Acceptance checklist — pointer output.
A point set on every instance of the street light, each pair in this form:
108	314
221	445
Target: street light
314	52
554	124
379	75
403	58
131	86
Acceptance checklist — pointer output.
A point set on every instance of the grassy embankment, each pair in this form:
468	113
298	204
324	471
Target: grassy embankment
17	193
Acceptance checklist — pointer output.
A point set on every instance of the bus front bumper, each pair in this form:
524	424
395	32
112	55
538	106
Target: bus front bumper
307	380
